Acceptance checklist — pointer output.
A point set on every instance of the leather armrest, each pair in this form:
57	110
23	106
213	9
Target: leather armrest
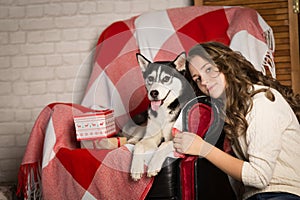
166	183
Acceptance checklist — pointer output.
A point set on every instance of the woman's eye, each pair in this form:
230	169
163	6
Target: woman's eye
208	69
197	80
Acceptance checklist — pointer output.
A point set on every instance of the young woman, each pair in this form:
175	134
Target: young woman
261	121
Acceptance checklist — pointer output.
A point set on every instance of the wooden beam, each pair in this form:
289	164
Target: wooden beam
294	48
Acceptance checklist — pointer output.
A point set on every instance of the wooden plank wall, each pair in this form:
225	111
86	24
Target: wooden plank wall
276	14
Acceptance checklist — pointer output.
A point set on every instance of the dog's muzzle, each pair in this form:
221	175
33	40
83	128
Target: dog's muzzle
155	104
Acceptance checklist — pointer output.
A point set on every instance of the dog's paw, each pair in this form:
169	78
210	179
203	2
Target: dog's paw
137	167
136	176
155	165
153	169
152	173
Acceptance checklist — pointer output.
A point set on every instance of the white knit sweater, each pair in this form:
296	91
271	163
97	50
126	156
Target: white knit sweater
272	146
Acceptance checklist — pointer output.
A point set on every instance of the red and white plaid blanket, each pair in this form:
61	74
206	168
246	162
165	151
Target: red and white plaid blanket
116	81
54	167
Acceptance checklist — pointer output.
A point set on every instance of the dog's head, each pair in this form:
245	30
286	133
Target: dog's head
164	80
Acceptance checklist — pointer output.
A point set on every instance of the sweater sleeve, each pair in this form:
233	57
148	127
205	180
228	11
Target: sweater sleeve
266	123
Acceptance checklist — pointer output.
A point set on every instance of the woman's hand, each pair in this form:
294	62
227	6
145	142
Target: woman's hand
192	144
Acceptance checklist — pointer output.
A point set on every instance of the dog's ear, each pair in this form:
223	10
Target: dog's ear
180	62
143	62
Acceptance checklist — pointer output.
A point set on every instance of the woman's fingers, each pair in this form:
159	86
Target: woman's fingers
188	143
178	149
178	135
180	141
177	142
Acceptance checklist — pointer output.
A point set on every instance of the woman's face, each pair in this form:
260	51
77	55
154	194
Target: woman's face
207	77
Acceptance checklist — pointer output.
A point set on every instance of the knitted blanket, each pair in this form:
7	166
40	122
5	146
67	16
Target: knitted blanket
116	81
54	167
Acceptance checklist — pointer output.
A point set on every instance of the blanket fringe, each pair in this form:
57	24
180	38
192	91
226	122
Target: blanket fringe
269	63
29	181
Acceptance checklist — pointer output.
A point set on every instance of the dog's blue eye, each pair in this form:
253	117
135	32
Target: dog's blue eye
150	79
166	79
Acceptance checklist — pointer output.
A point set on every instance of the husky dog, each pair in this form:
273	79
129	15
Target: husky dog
168	91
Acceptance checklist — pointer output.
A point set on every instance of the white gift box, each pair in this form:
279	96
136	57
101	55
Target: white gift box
95	125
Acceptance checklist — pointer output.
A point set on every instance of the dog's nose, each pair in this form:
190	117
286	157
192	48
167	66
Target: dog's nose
154	93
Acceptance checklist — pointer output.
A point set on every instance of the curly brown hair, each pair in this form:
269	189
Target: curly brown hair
240	76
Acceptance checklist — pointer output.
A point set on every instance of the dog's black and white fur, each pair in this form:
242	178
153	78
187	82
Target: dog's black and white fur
168	91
